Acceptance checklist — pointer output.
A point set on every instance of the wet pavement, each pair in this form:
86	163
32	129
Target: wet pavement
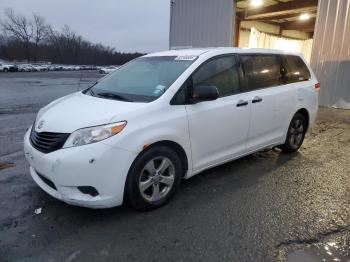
321	252
267	206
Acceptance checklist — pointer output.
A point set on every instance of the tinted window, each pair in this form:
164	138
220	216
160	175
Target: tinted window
181	96
262	71
296	70
221	72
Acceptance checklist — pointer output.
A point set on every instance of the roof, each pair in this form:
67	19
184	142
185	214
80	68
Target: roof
181	52
209	50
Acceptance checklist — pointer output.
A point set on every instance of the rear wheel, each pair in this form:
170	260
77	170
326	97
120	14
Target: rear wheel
295	135
153	178
6	70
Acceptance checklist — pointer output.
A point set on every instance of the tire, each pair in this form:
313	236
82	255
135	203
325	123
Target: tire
6	70
148	185
295	135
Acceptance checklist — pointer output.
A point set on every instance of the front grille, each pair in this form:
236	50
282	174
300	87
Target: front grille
47	142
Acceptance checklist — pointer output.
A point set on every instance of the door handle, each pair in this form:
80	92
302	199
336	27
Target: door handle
242	103
256	100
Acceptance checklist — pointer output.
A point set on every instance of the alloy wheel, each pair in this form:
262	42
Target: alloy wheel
157	179
296	133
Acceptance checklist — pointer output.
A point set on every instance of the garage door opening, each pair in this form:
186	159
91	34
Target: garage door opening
277	24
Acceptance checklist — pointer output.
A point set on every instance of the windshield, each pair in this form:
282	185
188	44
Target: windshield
141	80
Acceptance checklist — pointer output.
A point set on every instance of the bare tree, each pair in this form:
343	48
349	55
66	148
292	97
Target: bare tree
21	35
40	31
53	38
71	43
19	27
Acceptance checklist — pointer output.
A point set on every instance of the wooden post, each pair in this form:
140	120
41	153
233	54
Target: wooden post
237	28
280	31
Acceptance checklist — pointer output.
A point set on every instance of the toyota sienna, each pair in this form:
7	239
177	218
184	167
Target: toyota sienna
135	134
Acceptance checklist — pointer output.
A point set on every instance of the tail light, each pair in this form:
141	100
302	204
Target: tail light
317	86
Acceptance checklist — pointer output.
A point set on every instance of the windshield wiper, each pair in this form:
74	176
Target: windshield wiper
89	89
92	93
114	96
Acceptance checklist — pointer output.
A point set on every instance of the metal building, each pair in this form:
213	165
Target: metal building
211	23
331	52
201	23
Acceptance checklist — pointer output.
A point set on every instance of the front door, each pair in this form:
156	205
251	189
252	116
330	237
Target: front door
218	129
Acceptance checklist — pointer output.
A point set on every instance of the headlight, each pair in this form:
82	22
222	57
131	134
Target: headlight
94	134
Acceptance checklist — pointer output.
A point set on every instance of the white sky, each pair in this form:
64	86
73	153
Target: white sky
127	25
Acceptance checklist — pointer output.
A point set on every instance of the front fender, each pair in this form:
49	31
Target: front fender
169	124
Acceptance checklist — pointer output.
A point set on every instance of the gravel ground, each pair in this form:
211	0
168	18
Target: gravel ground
263	207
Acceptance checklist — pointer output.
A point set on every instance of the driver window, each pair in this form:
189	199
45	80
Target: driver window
221	72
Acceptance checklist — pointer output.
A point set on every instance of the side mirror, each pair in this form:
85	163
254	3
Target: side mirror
204	93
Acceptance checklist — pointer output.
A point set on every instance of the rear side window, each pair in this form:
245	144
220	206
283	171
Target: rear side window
262	71
222	72
296	70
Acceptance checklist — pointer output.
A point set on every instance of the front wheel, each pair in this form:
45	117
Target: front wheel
153	178
295	135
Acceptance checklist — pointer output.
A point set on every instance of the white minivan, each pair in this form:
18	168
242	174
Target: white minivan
162	117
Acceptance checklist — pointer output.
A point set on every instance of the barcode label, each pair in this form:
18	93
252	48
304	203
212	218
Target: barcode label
186	57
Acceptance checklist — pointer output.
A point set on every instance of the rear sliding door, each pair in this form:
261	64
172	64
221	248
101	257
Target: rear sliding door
270	100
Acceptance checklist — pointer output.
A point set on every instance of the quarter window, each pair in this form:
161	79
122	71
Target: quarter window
221	72
296	70
262	71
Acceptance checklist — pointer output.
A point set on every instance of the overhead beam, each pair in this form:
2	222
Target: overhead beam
269	18
280	9
306	26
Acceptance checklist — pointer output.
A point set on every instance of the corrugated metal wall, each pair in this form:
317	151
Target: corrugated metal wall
201	23
331	52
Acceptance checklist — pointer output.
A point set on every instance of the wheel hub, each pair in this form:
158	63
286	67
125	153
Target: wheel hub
157	179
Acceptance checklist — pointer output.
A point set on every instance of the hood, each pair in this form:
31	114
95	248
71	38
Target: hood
75	111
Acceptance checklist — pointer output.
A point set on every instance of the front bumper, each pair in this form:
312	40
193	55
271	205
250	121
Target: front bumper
96	165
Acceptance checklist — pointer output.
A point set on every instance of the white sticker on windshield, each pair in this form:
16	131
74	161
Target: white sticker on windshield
186	57
159	89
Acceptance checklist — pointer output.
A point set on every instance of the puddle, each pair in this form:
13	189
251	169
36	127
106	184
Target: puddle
320	253
4	165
